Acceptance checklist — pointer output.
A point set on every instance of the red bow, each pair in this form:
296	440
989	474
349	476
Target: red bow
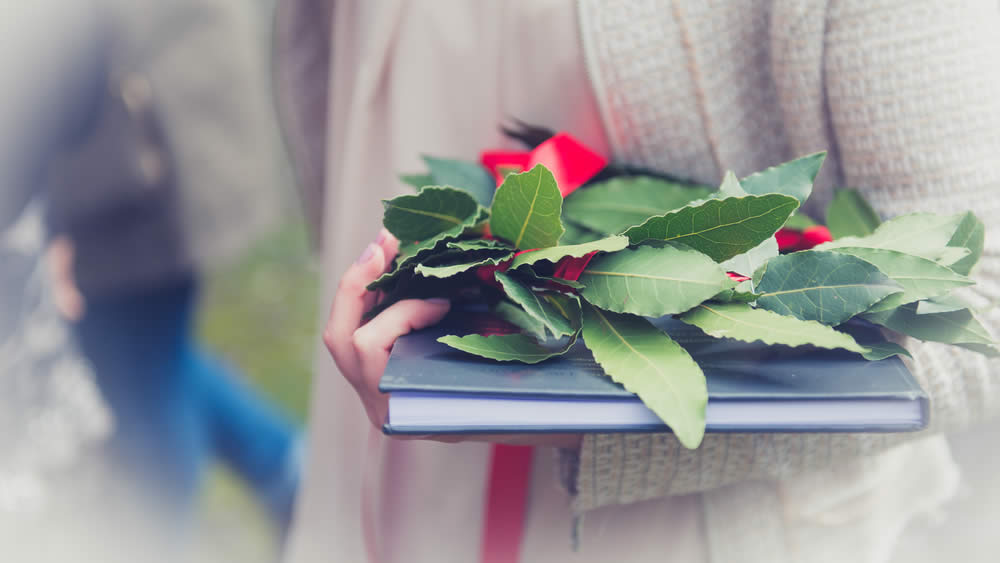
738	278
790	240
570	268
570	161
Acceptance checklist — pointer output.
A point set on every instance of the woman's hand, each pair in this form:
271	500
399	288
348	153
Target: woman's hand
361	350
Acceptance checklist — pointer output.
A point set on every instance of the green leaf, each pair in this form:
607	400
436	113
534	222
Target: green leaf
758	275
652	281
799	222
506	347
971	235
650	364
919	277
720	228
536	305
955	327
576	234
528	275
951	255
555	253
420	250
734	296
526	210
449	270
517	316
568	306
388	279
794	178
828	287
884	349
408	285
849	215
435	252
731	187
434	210
417	180
920	234
480	244
942	304
468	176
748	262
612	206
743	322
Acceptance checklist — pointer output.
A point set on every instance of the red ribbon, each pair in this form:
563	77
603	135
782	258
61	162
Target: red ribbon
571	162
737	277
570	268
791	240
506	503
500	163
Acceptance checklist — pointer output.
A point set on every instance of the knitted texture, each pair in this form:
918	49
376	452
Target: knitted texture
906	97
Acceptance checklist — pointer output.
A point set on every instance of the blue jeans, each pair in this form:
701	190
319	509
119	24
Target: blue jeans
176	407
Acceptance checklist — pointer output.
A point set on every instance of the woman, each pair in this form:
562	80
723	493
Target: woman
904	95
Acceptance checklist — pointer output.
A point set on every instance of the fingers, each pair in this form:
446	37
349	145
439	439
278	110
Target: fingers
68	300
390	248
373	342
389	244
349	305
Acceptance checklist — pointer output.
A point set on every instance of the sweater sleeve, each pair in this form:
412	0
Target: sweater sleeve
912	107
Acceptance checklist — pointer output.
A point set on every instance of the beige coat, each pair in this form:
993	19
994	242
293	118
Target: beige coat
905	95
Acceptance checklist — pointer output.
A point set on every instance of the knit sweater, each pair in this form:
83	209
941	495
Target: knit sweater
904	95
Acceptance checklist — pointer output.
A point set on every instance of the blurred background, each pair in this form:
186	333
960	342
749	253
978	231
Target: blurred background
158	299
181	118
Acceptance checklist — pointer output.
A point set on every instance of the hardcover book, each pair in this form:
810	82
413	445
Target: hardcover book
752	387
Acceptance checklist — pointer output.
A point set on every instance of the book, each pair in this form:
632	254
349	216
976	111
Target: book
752	387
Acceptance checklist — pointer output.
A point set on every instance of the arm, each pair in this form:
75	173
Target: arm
913	99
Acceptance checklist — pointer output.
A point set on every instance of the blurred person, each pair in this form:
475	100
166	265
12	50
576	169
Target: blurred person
904	95
176	173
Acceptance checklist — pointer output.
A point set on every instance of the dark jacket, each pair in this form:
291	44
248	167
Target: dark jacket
181	165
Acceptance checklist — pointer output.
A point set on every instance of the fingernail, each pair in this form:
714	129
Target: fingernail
439	301
367	254
381	236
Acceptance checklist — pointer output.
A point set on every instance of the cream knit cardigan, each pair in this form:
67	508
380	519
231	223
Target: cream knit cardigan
905	96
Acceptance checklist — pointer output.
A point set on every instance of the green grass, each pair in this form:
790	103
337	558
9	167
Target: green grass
261	315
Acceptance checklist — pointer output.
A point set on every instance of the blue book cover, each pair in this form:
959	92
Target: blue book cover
752	387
